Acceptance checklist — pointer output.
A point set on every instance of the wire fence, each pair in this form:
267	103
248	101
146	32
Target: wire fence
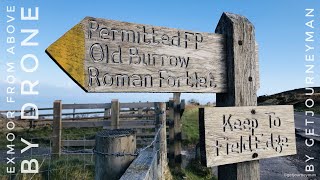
76	138
74	162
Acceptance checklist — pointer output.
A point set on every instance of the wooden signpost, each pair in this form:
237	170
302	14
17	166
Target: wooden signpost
110	56
237	134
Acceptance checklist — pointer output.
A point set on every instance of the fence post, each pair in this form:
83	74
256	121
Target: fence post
114	151
140	117
242	82
140	113
73	112
171	133
31	123
115	108
162	139
57	127
177	130
106	112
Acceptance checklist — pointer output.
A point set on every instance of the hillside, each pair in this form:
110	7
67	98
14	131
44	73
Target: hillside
296	97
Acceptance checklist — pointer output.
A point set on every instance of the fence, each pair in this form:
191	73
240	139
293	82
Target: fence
152	163
139	116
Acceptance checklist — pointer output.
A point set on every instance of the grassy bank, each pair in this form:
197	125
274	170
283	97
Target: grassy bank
190	125
190	128
295	97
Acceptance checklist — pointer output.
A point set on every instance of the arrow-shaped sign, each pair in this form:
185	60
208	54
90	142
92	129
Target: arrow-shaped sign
110	56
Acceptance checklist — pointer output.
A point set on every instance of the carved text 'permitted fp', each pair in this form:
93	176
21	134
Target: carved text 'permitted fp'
110	56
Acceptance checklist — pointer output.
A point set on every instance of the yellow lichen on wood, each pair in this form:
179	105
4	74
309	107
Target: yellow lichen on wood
68	52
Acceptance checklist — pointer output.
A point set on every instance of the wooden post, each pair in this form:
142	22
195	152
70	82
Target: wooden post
177	130
115	108
114	152
162	139
106	115
73	112
31	123
106	112
171	133
140	112
140	117
57	127
242	82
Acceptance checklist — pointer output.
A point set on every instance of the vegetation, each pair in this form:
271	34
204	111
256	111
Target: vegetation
193	171
42	135
190	125
190	128
82	167
66	167
296	97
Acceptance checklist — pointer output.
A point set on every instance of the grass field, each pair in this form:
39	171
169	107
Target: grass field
42	135
190	125
66	167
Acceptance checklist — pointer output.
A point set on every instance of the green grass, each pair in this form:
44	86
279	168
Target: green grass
80	133
73	166
42	136
190	126
193	171
190	130
66	167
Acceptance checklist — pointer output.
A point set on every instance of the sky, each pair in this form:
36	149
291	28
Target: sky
279	26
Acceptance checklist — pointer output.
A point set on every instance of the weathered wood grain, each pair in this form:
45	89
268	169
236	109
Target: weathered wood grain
56	129
122	124
177	130
115	114
231	133
112	142
74	113
91	143
144	167
242	73
87	106
161	144
171	134
152	59
137	105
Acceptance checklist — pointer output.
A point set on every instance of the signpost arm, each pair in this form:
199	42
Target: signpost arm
242	82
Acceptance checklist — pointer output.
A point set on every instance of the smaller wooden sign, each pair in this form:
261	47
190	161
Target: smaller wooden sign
237	134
